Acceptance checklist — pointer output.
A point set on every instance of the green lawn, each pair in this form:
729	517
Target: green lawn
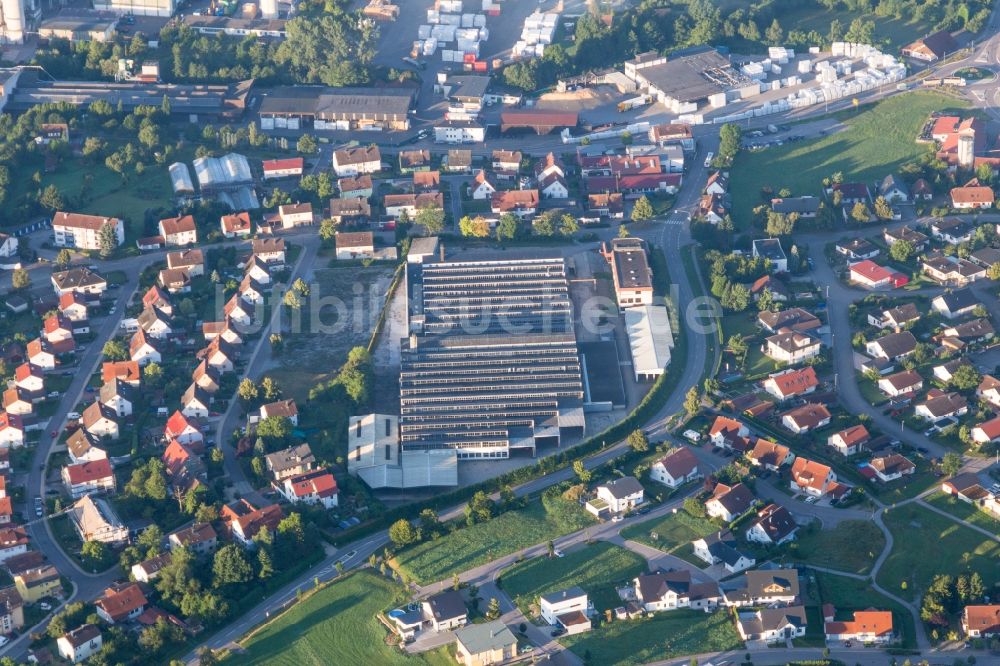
926	544
876	141
851	546
849	595
337	625
965	511
596	568
672	532
665	635
470	547
907	487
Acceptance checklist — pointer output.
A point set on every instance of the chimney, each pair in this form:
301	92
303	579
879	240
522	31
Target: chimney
441	250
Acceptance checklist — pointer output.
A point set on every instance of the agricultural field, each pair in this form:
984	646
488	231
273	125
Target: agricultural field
335	625
507	533
956	549
851	546
595	568
876	141
665	635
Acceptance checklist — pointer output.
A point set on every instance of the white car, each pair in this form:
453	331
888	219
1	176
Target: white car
558	553
692	435
73	416
617	518
810	499
3	641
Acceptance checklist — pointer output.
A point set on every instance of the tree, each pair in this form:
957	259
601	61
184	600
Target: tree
692	401
568	225
20	279
479	509
115	350
623	231
275	428
984	174
107	241
270	389
474	227
247	390
431	218
506	227
951	463
581	472
292	300
774	34
544	224
95	552
993	272
730	140
230	566
327	231
64	258
965	377
765	301
859	213
401	533
779	224
493	609
883	210
642	210
638	441
51	198
306	145
902	250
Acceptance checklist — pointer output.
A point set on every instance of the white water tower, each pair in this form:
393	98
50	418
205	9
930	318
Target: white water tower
966	150
269	9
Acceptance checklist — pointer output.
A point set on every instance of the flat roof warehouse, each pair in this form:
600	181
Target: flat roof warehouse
337	103
688	76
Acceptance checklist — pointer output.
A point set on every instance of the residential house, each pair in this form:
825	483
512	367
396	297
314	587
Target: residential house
791	347
13	541
725	428
768	587
721	548
972	197
852	193
717	183
73	307
969	332
183	466
940	405
11	611
8	245
922	190
38	582
891	467
946	371
770	283
482	188
507	162
236	225
774	525
270	250
206	377
794	319
315	487
83	231
985	257
252	291
17	401
181	429
712	208
239	311
156	298
916	238
676	468
931	48
771	250
100	421
95	520
142	350
117	396
82	447
355	244
124	371
850	440
149	570
156	324
426	181
191	260
952	230
553	186
484	644
219	354
867	628
196	402
293	461
93	476
671	134
174	280
896	318
295	215
243	520
730	502
79	280
354	161
569	609
815	479
770	455
621	494
670	590
57	329
858	249
458	160
892	347
805	418
359	187
40	354
414	160
952	270
199	538
282	168
981	620
987	432
411	204
121	603
772	625
80	644
791	383
11	431
225	329
869	274
445	610
606	204
522	203
178	230
955	304
893	189
989	390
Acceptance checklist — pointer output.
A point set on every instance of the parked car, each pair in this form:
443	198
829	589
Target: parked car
692	435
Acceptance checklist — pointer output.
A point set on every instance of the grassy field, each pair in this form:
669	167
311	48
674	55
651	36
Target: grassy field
595	568
335	625
470	547
876	141
965	511
851	546
665	635
926	544
849	595
673	532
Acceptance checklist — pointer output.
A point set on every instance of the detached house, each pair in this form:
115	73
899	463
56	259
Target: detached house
196	402
79	280
121	603
142	350
40	354
621	495
791	383
815	479
178	230
721	548
677	468
481	187
791	347
124	371
940	405
972	197
219	354
17	401
522	203
281	409
29	378
868	627
793	319
88	477
11	431
729	502
989	390
293	461
849	441
359	187
892	347
770	455
891	467
569	609
725	429
182	429
200	538
316	487
295	215
981	621
156	324
243	520
809	416
896	318
271	250
80	644
869	274
774	526
83	231
116	396
82	447
192	261
772	625
955	304
239	311
236	225
100	421
671	590
764	588
73	307
987	432
354	161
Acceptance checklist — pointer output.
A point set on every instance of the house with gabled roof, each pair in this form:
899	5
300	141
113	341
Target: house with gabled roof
896	318
121	603
190	260
156	324
252	291
359	187
774	525
116	395
258	270
219	354
482	187
243	520
239	311
770	455
869	274
763	587
987	432
794	319
178	230
100	421
183	466
955	304
82	447
788	346
124	371
143	350
200	538
29	378
940	405
522	203
891	467
849	441
80	644
314	487
892	347
791	383
196	402
17	401
236	225
292	461
989	390
91	476
281	409
816	479
40	354
155	297
729	502
271	250
721	548
11	431
858	249
670	590
183	429
206	377
868	627
224	329
981	620
73	307
772	625
95	520
725	429
676	468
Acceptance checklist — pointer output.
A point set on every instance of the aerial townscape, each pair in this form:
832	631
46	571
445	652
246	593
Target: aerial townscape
485	332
